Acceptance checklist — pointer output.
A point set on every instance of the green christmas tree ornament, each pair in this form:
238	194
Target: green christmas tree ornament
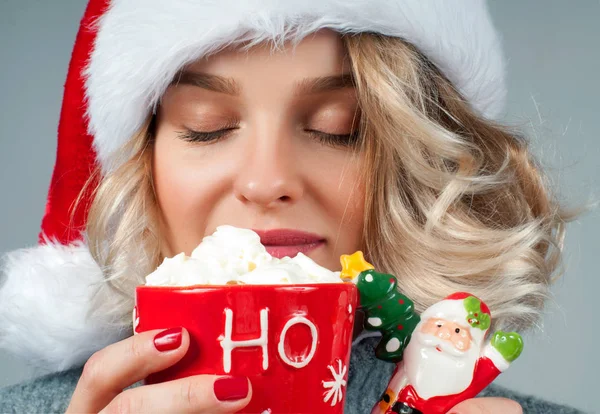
387	311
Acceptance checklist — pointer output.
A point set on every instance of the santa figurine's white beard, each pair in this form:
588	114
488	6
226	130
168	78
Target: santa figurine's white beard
434	373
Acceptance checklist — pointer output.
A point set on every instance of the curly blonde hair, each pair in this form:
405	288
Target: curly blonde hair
454	202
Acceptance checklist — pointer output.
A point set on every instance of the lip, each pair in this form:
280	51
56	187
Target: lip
287	242
438	348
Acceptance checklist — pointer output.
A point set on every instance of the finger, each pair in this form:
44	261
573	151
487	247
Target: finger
488	405
124	363
197	394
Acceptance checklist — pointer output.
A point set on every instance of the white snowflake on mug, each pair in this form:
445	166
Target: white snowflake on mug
335	387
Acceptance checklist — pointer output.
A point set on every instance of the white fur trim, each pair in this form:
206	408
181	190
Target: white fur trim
496	358
45	294
453	310
141	44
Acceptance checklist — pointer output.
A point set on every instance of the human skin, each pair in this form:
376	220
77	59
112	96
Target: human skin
269	172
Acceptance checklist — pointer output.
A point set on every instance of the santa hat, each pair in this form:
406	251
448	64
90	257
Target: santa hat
464	309
126	53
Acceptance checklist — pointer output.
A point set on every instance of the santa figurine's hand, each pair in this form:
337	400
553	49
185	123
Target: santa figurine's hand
509	345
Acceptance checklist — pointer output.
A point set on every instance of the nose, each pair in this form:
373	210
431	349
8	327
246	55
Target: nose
443	332
271	174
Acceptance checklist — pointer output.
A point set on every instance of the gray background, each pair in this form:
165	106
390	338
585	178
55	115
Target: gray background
553	66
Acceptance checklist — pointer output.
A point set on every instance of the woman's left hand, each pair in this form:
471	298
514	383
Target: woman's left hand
487	405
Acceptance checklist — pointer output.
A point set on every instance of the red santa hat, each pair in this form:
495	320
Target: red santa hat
126	53
466	310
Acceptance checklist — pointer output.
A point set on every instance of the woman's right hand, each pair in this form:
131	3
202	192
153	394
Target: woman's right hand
110	370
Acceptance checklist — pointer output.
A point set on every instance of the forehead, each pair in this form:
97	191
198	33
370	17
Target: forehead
320	54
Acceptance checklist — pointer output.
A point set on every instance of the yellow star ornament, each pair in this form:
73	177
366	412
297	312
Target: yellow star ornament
353	264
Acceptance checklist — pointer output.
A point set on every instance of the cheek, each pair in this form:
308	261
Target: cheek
467	343
461	342
333	201
184	195
343	194
178	195
429	328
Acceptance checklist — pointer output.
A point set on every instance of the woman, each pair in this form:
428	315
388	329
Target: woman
369	124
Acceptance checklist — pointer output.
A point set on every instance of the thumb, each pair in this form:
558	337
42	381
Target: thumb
487	405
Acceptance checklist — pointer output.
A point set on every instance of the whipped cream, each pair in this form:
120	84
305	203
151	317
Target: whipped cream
235	256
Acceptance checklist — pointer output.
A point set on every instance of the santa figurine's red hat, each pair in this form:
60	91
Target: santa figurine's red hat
125	55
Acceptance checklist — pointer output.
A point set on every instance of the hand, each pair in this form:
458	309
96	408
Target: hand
510	345
487	405
110	370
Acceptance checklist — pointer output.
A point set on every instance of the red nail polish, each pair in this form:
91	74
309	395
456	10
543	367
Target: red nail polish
168	340
231	388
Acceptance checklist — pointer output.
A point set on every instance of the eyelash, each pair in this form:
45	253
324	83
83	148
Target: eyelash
334	140
347	140
198	136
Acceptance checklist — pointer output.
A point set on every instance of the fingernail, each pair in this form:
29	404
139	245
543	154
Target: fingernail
231	388
168	340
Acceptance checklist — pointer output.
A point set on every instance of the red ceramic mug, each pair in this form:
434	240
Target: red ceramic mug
292	341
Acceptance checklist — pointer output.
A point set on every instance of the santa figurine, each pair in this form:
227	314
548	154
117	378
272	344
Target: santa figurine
448	359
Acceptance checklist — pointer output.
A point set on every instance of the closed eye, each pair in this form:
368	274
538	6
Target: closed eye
205	136
335	140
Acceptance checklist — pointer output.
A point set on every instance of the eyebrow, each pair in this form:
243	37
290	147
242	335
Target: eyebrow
310	86
229	86
213	83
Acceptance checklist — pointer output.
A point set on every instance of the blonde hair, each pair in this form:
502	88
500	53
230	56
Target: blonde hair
454	202
123	229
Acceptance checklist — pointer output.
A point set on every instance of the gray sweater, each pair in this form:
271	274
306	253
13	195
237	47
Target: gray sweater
368	378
